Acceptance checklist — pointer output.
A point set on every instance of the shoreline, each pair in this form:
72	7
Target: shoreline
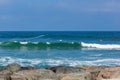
15	71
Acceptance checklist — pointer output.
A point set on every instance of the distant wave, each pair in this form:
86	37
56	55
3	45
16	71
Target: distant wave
59	45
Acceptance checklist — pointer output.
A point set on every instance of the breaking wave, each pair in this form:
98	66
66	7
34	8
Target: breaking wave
59	45
56	62
100	46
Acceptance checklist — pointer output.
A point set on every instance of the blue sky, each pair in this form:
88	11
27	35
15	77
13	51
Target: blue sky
60	15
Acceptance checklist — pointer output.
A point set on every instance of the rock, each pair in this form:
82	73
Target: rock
94	75
16	72
65	70
112	79
93	68
109	73
27	68
14	67
75	76
17	77
115	72
36	74
71	73
5	75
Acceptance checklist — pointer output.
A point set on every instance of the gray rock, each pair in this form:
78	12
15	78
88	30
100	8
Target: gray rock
65	70
27	68
14	67
36	74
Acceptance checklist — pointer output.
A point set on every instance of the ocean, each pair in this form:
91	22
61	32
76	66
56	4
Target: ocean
42	49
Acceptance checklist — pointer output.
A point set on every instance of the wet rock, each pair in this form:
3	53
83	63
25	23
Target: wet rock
38	74
27	68
14	67
65	70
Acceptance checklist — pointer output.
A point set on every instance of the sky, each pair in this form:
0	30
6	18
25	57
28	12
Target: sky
59	15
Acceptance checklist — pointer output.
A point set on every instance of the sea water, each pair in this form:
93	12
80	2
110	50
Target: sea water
43	49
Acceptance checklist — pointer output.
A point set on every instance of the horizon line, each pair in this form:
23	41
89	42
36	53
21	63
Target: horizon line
58	31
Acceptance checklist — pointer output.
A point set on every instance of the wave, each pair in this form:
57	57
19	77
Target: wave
56	62
59	45
100	46
41	45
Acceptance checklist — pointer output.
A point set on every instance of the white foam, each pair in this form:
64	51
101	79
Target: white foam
56	62
60	40
101	46
47	42
23	43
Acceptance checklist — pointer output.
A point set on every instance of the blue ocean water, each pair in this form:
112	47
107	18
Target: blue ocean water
52	48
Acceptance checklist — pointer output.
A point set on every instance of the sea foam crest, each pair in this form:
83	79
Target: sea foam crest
23	43
47	42
100	46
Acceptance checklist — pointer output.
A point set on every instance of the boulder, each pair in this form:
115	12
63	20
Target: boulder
27	68
94	75
14	67
36	74
93	68
109	73
16	72
65	70
5	75
75	76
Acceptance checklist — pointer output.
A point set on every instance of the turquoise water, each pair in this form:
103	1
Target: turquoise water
46	49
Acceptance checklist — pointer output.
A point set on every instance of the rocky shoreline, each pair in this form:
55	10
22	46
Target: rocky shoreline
16	72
